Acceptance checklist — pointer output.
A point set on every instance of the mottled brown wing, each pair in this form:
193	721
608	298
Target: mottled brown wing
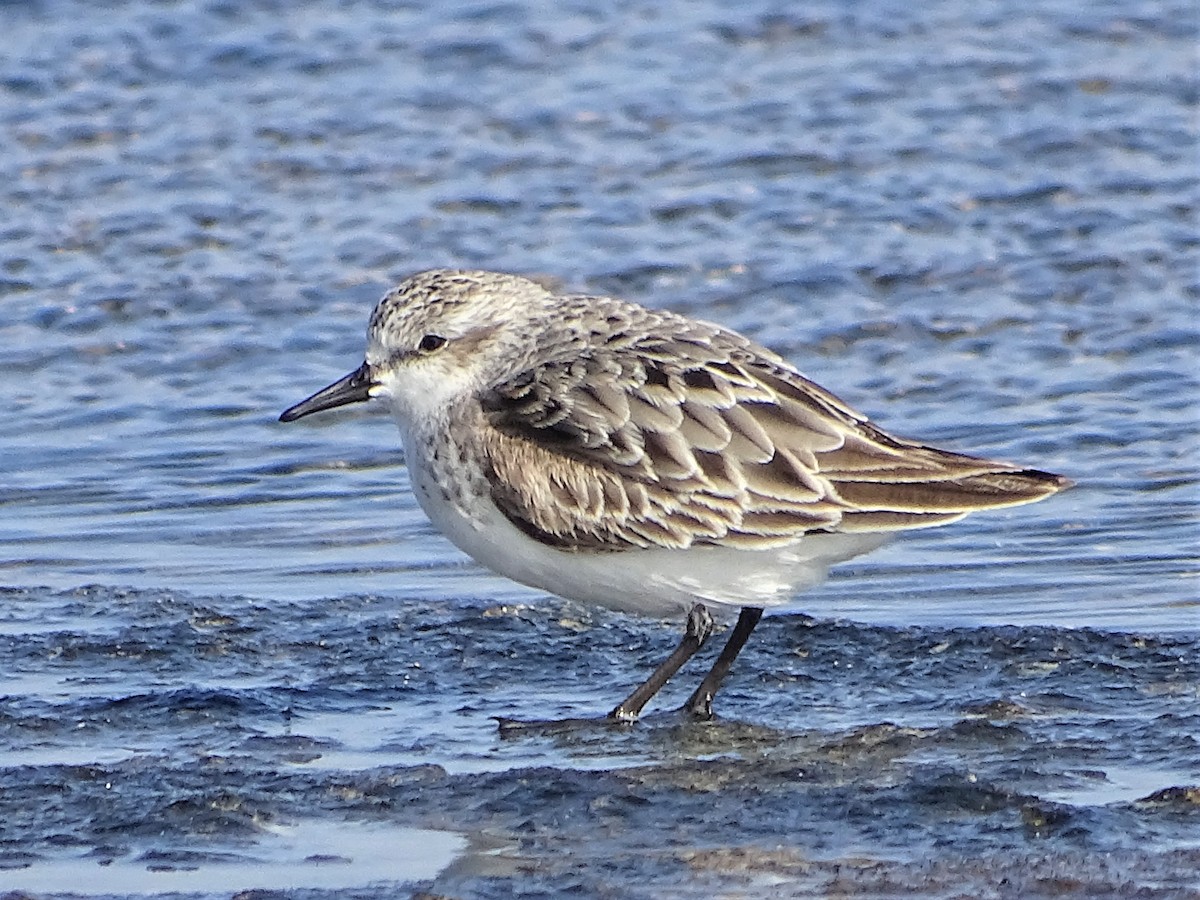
690	434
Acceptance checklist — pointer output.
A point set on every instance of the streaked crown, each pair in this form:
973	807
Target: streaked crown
445	331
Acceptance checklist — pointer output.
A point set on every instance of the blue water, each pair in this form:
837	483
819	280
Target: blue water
975	223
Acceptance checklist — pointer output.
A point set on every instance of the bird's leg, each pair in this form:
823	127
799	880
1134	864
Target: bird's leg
700	703
699	627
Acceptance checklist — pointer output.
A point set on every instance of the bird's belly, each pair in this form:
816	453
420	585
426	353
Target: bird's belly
654	582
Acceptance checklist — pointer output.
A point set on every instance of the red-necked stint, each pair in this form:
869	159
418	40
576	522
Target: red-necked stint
641	460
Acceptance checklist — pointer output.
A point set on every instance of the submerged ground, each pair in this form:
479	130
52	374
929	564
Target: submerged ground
158	742
236	660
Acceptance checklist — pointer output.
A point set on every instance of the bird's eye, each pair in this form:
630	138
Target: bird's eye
431	342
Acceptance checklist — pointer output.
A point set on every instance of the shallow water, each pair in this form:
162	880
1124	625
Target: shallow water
325	855
975	223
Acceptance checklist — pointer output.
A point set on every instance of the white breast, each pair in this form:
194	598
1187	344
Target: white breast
451	488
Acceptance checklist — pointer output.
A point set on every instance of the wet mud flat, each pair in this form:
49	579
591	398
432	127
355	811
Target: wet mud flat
158	743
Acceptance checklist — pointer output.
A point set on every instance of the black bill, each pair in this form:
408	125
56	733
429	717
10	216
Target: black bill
354	388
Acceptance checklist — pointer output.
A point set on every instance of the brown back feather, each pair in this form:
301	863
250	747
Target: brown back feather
693	435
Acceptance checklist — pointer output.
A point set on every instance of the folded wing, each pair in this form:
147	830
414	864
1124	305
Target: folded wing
675	433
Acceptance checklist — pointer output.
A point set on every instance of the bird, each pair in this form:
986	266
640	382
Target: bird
642	460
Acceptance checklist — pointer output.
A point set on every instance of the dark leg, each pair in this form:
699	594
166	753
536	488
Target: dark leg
699	627
700	703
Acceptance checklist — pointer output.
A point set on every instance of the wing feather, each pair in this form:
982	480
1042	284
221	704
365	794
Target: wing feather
671	433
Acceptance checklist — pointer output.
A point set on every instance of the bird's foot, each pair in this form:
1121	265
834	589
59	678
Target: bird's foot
699	707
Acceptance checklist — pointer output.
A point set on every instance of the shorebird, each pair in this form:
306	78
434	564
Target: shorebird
642	460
